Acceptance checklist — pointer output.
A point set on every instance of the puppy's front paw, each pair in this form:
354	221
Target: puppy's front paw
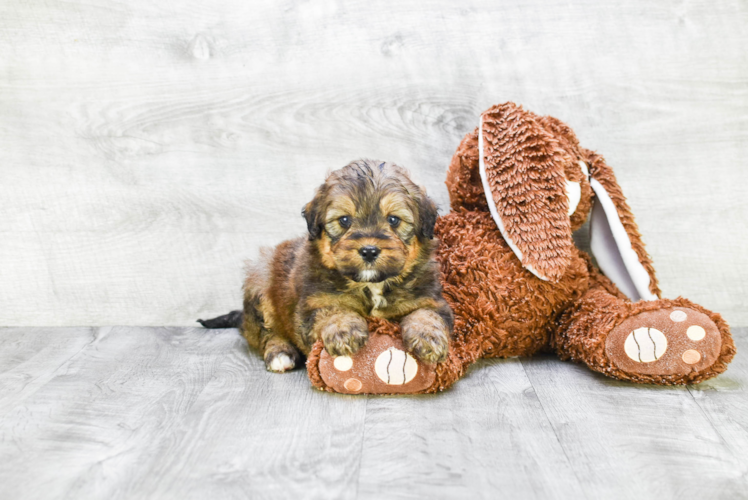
344	334
426	335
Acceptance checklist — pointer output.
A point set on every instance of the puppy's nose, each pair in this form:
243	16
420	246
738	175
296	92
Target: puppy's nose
369	253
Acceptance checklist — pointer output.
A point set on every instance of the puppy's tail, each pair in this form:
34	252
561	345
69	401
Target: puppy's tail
233	319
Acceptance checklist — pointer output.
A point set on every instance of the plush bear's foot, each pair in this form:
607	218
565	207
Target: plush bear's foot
673	342
382	366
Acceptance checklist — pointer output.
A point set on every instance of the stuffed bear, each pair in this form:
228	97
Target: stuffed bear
519	185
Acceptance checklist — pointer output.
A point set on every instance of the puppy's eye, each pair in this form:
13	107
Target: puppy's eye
345	221
393	220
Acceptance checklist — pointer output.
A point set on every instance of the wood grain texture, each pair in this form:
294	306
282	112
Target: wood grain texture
174	413
138	412
489	437
149	147
632	441
724	402
30	358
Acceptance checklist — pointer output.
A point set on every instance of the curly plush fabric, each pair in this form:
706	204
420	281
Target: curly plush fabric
525	174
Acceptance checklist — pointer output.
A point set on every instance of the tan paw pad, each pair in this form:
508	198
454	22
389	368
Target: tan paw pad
691	357
353	384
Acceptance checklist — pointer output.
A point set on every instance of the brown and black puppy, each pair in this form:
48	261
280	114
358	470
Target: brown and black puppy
369	252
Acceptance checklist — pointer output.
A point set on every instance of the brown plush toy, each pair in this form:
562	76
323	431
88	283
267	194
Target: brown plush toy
519	185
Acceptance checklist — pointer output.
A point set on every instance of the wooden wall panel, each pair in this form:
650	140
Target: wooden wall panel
149	147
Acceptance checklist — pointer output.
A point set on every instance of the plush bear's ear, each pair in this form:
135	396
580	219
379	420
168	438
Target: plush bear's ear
463	176
614	237
522	170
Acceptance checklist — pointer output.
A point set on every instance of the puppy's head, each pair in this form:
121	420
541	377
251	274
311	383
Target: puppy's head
370	221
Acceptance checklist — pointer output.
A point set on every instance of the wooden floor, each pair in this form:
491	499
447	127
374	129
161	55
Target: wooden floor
134	412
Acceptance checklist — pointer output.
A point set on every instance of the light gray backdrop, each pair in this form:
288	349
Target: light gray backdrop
148	147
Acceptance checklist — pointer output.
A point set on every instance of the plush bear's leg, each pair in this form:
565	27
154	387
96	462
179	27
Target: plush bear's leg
658	342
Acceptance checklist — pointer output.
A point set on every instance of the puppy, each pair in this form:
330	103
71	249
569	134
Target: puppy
369	252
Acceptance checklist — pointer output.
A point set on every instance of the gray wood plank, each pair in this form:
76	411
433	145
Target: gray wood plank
133	412
30	357
636	441
724	401
178	413
486	437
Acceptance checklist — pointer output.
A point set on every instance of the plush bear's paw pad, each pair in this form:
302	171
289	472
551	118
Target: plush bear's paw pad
671	341
382	366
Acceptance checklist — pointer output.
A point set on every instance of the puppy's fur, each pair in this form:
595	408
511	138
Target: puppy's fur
369	252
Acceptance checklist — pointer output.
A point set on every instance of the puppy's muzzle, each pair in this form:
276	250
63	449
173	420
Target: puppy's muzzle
369	253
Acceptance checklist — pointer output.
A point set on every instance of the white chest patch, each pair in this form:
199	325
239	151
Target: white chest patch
376	295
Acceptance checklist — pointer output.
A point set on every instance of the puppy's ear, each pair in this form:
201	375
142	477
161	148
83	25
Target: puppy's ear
426	216
313	213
